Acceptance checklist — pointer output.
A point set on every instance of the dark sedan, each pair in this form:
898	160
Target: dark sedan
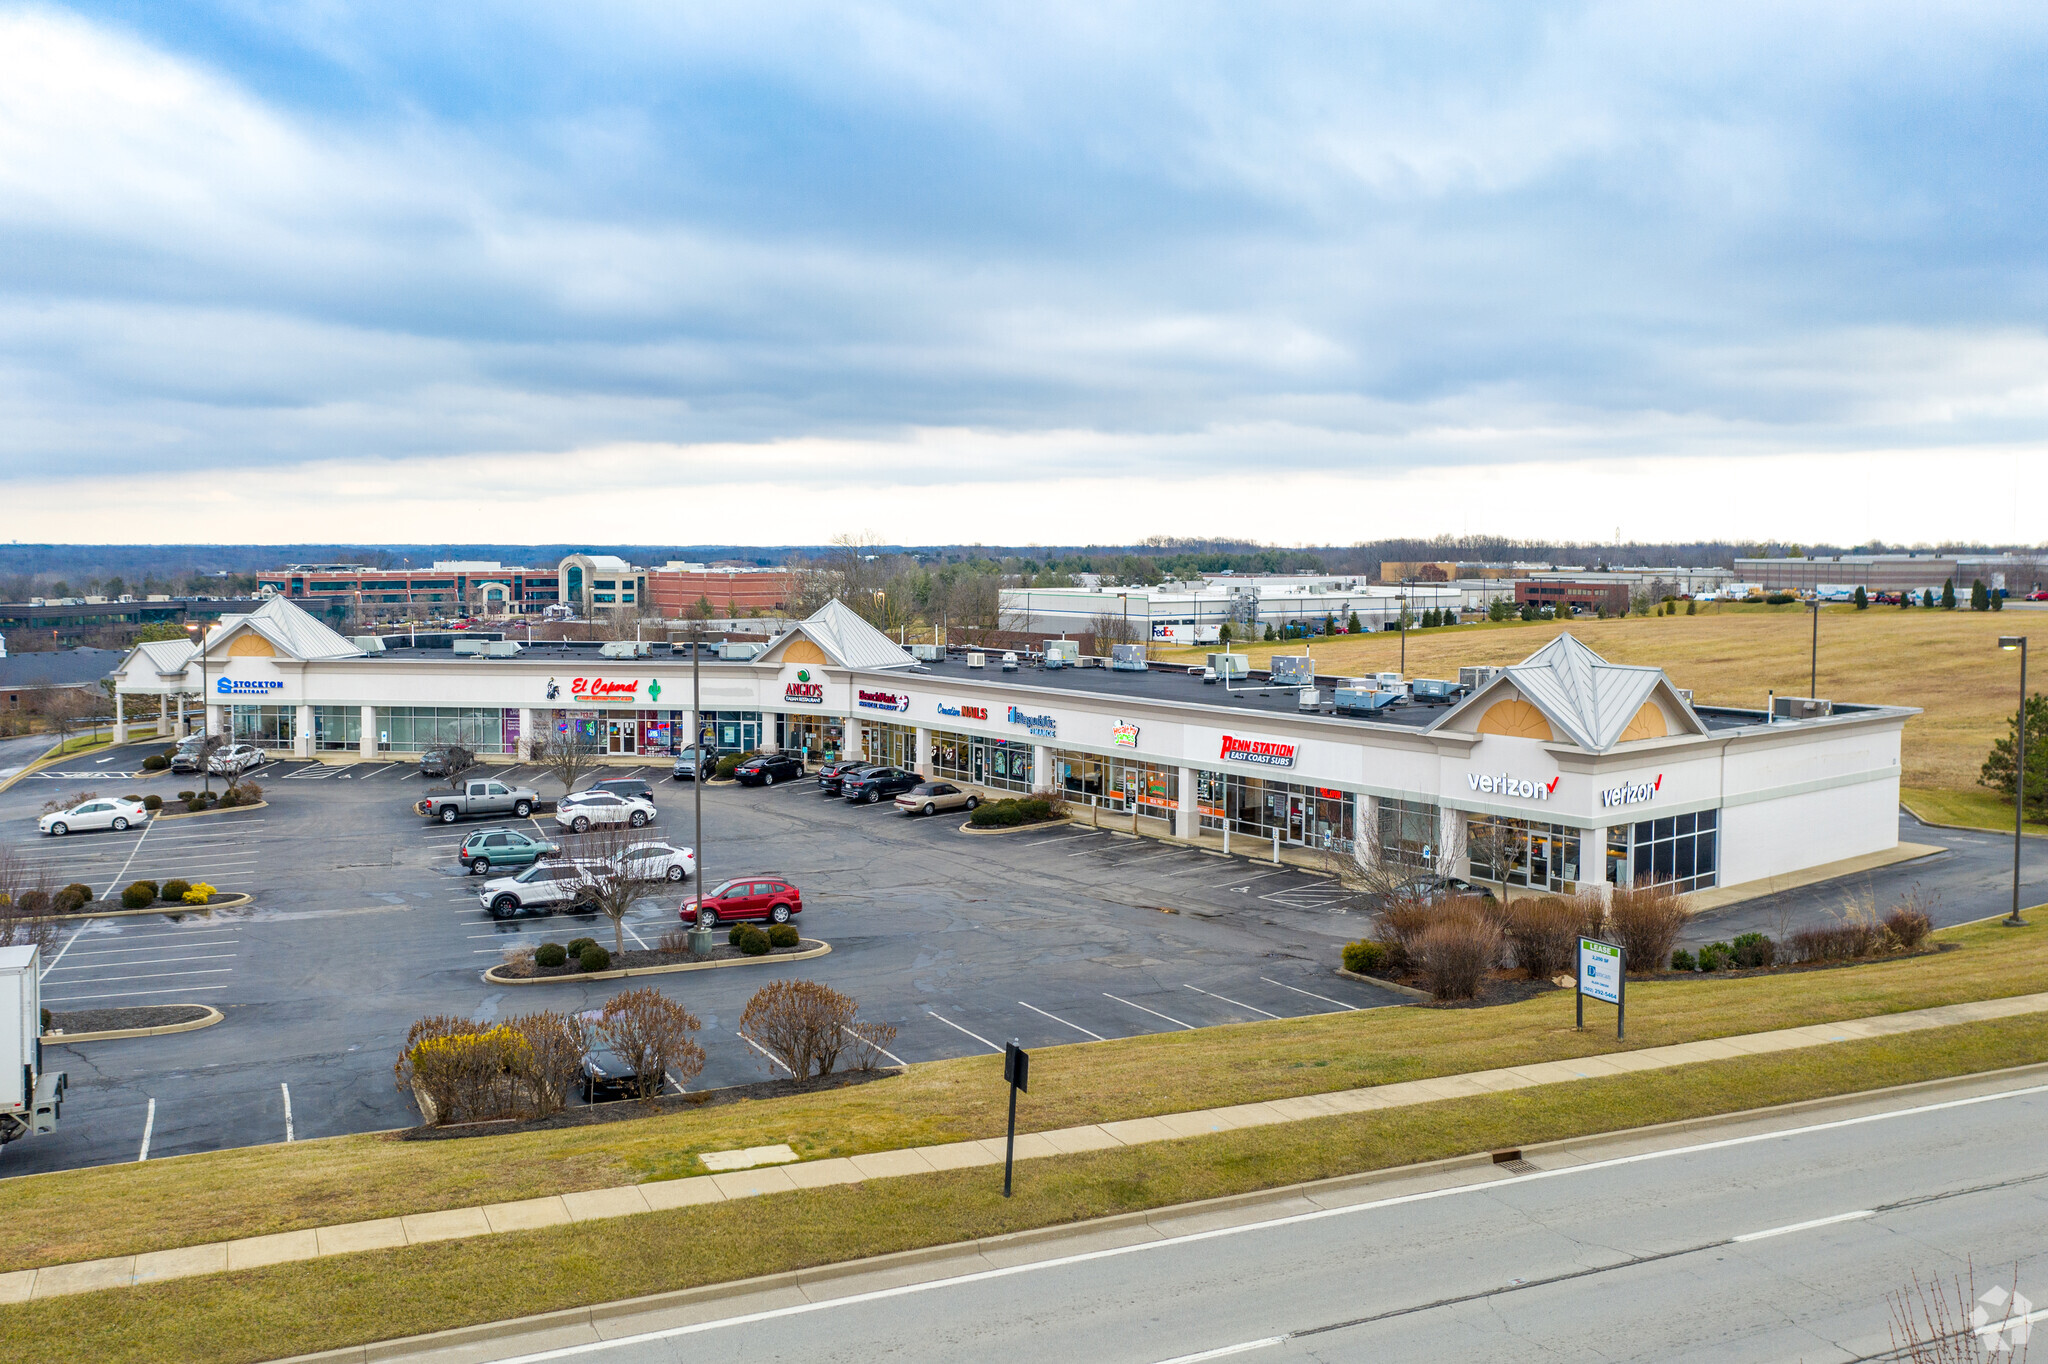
765	769
872	784
832	775
607	1076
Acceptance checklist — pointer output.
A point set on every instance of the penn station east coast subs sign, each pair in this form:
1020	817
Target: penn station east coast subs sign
1258	752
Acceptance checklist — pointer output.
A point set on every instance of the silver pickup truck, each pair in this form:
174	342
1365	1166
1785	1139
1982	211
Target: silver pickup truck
478	797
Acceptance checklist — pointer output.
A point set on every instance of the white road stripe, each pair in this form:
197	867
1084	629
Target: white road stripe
154	961
1063	1022
146	828
129	994
148	1127
1154	1012
154	975
1803	1226
857	1037
1228	1000
975	1035
65	948
287	1090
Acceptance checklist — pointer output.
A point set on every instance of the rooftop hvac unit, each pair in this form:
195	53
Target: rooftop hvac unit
1363	701
502	648
1472	679
928	653
464	645
737	650
1311	699
369	644
1800	708
1127	658
1292	670
627	648
127	596
1432	689
1062	653
38	601
977	659
1230	666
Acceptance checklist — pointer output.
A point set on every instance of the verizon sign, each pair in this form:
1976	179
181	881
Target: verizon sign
1263	752
1504	785
1632	792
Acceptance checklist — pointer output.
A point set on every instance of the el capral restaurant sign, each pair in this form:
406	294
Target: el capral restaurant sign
1263	752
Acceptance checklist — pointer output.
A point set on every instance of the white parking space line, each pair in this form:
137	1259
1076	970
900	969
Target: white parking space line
773	1059
1247	880
877	1046
1313	995
1059	838
131	951
65	948
129	994
287	1090
148	1127
374	771
1228	1000
159	975
1153	857
1154	1012
957	1028
154	961
1063	1022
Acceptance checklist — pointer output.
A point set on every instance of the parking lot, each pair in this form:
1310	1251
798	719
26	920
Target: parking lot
363	923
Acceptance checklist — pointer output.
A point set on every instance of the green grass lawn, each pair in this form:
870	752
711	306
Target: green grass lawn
187	1200
321	1304
1972	809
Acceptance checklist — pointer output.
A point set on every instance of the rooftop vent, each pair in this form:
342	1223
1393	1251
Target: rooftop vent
1800	708
369	644
1292	670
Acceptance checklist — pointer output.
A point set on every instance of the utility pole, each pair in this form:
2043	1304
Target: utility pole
1813	665
697	747
2019	777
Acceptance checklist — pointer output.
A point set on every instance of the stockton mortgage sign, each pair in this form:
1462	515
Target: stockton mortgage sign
1504	785
246	686
1263	752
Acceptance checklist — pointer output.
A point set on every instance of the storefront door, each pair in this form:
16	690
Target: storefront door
1297	819
621	736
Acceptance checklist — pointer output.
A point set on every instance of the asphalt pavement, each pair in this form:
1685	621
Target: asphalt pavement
1781	1241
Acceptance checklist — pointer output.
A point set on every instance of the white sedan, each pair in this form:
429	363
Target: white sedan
658	862
578	813
94	814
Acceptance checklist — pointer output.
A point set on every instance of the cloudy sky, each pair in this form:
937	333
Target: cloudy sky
1009	273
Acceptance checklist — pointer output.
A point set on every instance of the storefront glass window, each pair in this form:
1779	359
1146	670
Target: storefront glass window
1524	853
1303	816
265	726
337	728
1681	851
1004	764
414	729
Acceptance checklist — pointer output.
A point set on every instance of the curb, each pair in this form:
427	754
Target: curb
592	1317
35	766
234	900
196	814
1408	990
116	1034
820	950
1017	828
1932	824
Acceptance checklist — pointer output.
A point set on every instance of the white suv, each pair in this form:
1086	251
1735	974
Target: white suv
579	812
543	888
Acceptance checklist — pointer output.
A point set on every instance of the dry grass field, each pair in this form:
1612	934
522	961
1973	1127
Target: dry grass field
1945	662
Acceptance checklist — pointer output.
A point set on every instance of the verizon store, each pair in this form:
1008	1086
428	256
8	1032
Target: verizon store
1590	772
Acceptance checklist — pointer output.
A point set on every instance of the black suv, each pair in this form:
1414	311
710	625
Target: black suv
625	786
870	784
765	769
832	775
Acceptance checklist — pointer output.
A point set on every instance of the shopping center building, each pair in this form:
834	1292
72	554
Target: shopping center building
1598	773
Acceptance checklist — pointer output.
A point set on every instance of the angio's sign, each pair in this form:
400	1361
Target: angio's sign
1632	792
1505	785
1264	752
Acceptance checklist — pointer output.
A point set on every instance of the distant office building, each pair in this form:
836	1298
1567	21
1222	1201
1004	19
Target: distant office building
449	587
1568	594
2018	574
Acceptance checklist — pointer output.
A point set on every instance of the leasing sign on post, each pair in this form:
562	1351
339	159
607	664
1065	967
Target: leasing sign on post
1603	975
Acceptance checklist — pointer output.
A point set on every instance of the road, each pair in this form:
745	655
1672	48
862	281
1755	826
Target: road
1752	1247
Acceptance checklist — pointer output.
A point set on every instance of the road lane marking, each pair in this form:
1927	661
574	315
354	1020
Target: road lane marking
148	1127
1063	1022
287	1089
1154	1012
957	1028
1804	1226
1312	995
1228	1000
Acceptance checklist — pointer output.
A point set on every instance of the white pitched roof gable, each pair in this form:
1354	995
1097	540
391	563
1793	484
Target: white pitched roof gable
292	631
1588	700
849	641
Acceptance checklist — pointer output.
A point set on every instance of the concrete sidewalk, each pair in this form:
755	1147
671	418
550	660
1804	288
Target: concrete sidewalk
627	1200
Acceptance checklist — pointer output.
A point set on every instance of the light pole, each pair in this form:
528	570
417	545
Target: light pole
697	745
1813	663
2019	775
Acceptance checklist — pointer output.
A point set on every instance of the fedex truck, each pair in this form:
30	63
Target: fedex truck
30	1097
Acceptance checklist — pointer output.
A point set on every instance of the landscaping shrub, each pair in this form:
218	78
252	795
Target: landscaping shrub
141	895
783	935
1750	951
576	945
1545	935
594	958
732	935
229	799
1013	811
186	795
250	792
1909	926
752	941
149	886
1454	953
728	765
152	803
72	898
175	889
155	762
32	902
1714	956
199	894
1364	956
472	1072
1645	921
1681	960
651	1033
196	804
800	1023
676	942
550	955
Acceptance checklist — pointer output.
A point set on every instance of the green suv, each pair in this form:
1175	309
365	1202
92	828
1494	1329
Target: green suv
490	848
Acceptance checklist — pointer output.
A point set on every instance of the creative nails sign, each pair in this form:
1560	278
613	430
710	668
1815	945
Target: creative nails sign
1123	734
1632	792
1264	752
611	689
804	690
1505	785
963	712
882	700
1042	725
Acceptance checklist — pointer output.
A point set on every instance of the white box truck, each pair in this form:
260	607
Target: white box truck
30	1097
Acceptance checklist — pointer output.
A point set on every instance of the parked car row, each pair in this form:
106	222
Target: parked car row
552	884
228	760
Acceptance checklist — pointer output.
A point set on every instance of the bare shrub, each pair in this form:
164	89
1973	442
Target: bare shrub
1545	934
517	961
869	1041
62	803
1936	1323
555	1044
1912	918
1645	921
25	904
651	1033
675	941
1454	953
463	1071
801	1023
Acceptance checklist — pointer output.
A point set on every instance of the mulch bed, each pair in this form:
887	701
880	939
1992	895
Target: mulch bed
587	1115
140	1016
635	957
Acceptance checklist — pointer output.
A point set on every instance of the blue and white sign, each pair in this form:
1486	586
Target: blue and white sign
246	686
1044	726
1600	970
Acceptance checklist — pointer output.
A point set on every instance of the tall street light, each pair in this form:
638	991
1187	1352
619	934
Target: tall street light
1813	664
2019	774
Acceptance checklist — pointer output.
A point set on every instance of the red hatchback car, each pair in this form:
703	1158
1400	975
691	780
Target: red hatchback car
751	897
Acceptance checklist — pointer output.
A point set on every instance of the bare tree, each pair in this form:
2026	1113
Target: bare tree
565	754
651	1033
610	879
1115	627
460	761
1380	872
25	900
802	1024
1493	848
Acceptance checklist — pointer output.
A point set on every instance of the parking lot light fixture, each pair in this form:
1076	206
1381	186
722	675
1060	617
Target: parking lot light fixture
2019	774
